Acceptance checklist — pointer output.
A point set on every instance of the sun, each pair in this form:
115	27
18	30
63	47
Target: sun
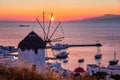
52	19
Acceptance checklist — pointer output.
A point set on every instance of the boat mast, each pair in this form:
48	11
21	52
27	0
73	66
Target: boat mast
55	30
114	55
98	50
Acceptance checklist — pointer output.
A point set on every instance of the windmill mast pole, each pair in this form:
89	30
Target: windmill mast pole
44	23
49	26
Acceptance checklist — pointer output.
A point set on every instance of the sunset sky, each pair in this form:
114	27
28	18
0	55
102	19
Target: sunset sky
63	9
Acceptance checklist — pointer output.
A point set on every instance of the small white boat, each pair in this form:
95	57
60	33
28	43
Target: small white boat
62	55
98	56
24	25
114	61
80	60
65	61
59	46
5	51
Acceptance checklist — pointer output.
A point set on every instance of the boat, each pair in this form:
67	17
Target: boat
59	46
80	60
98	56
50	58
22	25
65	61
7	50
62	55
114	61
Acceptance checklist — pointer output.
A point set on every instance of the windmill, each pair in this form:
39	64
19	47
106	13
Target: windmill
48	38
49	31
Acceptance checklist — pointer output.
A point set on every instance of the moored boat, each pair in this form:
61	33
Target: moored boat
114	61
80	60
98	56
59	46
65	61
62	55
22	25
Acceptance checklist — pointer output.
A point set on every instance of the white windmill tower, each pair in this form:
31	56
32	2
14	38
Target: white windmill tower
32	50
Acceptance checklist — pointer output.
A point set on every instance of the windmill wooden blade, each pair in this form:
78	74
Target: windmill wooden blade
42	28
54	30
40	24
50	43
49	26
57	38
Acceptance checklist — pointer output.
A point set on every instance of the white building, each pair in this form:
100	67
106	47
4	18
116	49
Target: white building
32	50
93	68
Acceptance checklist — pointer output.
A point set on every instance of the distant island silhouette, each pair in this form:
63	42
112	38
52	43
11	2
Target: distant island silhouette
103	18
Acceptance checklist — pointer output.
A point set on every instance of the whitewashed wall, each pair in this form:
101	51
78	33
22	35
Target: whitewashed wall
30	57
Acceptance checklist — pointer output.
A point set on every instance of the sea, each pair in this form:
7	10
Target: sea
107	33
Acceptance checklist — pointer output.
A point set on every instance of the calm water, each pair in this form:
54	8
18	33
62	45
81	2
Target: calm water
75	33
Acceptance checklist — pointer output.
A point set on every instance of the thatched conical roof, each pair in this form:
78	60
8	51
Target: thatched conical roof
32	41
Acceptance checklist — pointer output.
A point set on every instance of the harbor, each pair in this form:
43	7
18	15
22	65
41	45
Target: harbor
89	64
7	59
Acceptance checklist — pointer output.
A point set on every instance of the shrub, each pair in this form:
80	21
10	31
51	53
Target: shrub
14	73
116	77
100	75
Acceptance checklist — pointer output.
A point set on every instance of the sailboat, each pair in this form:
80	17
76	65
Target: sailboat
98	55
114	61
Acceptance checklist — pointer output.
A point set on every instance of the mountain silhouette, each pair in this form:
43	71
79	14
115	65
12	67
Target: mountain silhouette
106	17
103	18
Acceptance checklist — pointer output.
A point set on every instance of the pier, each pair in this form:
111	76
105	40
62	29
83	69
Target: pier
59	46
86	45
